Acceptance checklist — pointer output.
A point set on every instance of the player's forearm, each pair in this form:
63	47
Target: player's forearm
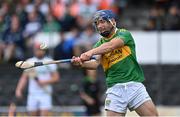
92	64
85	97
21	84
54	78
108	46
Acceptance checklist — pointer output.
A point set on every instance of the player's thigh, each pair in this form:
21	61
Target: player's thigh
138	95
112	113
141	102
45	102
33	113
32	103
44	113
116	101
147	109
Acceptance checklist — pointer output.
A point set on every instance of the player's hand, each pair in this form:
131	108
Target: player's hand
86	56
90	101
76	61
19	94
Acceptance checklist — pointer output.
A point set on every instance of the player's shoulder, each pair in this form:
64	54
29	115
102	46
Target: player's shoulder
123	31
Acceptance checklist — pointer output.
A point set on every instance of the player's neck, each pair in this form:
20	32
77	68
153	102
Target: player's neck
112	34
40	57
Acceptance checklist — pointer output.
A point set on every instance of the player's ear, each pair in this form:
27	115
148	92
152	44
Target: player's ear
113	22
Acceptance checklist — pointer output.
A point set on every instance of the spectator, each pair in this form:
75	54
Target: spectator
68	21
105	4
34	7
14	42
86	40
74	8
42	7
40	84
87	9
32	27
156	19
58	8
151	25
2	45
2	25
5	8
90	93
22	14
64	50
51	25
172	20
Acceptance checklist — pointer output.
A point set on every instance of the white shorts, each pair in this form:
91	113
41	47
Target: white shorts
126	95
39	102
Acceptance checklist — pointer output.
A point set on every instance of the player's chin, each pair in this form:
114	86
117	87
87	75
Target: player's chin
102	31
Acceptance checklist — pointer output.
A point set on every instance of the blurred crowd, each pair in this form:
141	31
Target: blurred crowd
22	20
164	16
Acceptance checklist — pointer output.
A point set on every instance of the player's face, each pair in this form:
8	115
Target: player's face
104	27
39	53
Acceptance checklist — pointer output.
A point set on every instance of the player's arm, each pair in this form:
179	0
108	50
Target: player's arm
54	78
87	98
107	47
21	84
91	64
102	49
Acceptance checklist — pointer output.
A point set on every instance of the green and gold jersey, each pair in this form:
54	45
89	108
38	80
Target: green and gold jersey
120	65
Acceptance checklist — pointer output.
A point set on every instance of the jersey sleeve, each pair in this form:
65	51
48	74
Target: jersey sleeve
52	67
125	36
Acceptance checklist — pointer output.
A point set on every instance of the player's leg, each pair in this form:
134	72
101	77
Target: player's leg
32	103
115	103
44	113
141	101
147	109
45	104
93	110
33	113
111	113
12	109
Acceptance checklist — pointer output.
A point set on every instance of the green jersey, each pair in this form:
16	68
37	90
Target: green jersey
120	65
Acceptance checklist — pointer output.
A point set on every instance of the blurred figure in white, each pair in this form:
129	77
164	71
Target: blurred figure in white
40	81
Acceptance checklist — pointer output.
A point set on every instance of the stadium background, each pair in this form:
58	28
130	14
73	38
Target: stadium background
64	25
